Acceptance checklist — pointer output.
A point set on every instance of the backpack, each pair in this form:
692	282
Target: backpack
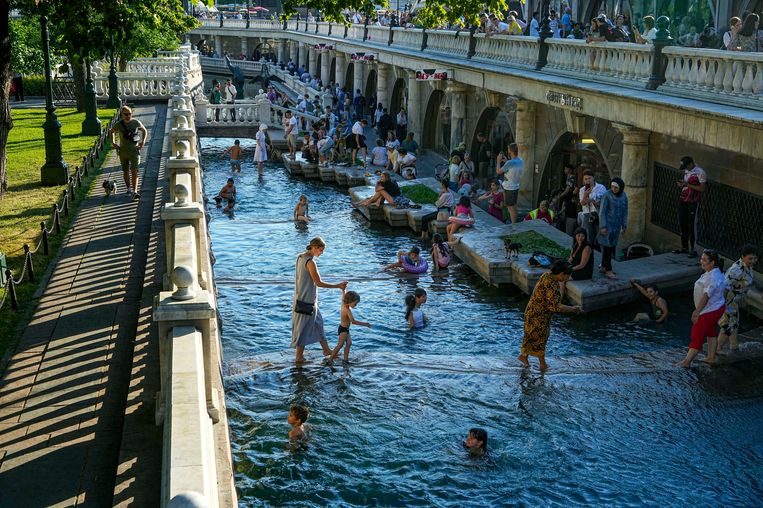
542	260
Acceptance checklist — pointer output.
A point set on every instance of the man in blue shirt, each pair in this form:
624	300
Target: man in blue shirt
567	22
511	170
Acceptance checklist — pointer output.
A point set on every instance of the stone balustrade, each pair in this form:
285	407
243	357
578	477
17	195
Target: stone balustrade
510	49
615	61
249	67
734	75
448	42
407	37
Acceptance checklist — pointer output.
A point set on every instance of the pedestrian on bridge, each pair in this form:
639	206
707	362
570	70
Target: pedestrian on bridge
132	137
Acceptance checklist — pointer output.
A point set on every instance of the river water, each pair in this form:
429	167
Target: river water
611	423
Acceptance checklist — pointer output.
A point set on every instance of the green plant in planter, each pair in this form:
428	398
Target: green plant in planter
535	242
419	193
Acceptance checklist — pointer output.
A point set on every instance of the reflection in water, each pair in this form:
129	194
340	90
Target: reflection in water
611	422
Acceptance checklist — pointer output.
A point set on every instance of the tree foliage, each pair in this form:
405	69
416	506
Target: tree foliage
26	45
433	12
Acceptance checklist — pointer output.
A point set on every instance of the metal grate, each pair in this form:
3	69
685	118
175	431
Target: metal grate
63	93
728	217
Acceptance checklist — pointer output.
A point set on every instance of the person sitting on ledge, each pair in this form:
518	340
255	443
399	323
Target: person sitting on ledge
542	213
386	190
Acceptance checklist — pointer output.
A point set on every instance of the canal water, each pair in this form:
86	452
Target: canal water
611	423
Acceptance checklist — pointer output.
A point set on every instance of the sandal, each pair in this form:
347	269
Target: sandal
610	275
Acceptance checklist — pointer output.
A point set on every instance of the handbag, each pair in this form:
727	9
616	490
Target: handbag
306	308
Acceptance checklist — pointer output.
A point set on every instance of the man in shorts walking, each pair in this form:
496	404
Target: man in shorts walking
236	153
511	170
132	137
290	133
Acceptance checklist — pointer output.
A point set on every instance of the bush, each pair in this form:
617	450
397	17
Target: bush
34	85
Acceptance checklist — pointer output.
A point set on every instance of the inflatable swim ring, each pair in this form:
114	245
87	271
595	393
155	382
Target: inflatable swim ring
421	267
461	221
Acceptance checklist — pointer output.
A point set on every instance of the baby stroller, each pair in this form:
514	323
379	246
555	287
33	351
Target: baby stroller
441	172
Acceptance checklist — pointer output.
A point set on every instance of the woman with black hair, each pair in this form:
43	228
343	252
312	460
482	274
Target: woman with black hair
545	301
748	38
613	219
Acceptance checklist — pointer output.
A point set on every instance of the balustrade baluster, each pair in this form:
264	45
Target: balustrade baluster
709	75
728	78
738	77
748	77
757	84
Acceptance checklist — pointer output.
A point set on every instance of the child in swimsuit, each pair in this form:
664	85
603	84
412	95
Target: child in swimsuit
350	299
440	253
412	258
235	152
413	313
464	213
228	192
301	210
476	441
297	418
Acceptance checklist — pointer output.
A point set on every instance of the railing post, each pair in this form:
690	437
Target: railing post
424	38
66	203
391	35
247	19
12	289
472	42
662	39
56	219
221	20
45	244
346	27
365	29
545	33
28	261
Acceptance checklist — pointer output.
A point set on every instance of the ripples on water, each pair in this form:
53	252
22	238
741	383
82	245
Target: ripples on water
612	423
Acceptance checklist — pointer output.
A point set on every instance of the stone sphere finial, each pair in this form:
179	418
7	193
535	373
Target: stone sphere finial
183	148
188	500
181	122
182	278
181	195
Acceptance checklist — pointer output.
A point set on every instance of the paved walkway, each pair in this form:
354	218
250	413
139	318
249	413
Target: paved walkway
63	391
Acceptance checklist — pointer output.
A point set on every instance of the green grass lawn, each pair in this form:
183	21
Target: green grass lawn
535	242
27	203
419	193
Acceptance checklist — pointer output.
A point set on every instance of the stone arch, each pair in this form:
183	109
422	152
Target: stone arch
399	96
349	78
332	71
318	58
583	151
370	88
432	138
495	123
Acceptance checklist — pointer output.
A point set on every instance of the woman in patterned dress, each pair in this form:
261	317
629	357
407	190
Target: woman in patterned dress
738	281
545	301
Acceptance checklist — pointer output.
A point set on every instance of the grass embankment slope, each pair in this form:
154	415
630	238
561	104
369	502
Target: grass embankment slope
27	202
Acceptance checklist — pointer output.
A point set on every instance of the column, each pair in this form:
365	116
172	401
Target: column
358	85
634	172
219	45
302	60
382	76
294	53
245	46
312	61
457	93
415	107
341	66
525	139
325	67
282	51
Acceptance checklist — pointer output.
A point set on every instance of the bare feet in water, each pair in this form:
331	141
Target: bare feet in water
523	359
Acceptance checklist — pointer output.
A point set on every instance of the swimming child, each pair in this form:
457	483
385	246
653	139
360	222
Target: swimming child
476	441
413	313
235	152
301	211
658	307
464	218
297	418
440	253
409	261
350	300
227	192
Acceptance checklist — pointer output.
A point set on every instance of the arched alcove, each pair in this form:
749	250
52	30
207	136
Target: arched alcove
495	124
370	88
349	78
399	96
580	150
432	132
332	71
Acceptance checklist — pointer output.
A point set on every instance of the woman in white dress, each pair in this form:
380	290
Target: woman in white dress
261	150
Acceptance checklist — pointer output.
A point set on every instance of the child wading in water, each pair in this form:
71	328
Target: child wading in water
301	211
476	441
440	253
413	313
350	300
297	418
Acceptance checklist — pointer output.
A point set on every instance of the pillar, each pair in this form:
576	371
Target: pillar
282	51
415	107
358	85
525	139
312	61
457	94
294	53
219	45
634	172
382	77
302	60
341	66
245	46
325	67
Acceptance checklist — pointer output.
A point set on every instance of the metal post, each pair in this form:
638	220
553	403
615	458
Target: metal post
91	125
45	244
114	100
55	171
424	38
12	290
662	39
545	33
28	260
472	42
56	219
66	202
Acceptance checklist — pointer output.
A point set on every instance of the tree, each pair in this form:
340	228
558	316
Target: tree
6	122
26	45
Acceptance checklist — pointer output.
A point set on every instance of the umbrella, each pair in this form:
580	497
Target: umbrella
258	9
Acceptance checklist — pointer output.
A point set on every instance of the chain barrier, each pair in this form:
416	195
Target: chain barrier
69	194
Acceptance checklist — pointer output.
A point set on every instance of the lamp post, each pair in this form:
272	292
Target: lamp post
55	171
91	125
114	101
545	33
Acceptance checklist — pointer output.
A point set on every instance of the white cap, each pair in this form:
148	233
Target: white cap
263	127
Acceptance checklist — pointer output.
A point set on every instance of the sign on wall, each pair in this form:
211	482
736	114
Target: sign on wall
362	57
434	75
323	47
563	99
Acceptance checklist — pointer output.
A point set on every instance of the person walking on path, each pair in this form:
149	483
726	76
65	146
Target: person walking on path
693	184
545	301
132	137
613	219
709	306
290	133
261	150
230	97
739	278
590	195
511	170
306	319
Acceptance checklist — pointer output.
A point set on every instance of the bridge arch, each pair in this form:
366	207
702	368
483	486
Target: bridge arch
495	123
583	151
370	88
349	78
399	96
432	135
332	71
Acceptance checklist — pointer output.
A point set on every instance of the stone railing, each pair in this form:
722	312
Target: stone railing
190	404
615	61
512	49
407	37
249	113
448	43
249	67
733	75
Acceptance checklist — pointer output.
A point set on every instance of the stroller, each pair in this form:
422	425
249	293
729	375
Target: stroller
441	172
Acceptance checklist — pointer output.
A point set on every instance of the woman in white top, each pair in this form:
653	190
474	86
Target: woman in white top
413	313
261	150
709	303
734	25
379	155
650	32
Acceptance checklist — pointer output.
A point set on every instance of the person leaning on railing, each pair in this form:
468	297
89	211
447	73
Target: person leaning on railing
735	24
650	32
748	38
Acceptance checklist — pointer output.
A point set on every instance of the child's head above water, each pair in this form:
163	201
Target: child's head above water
351	298
298	415
237	142
437	238
417	298
414	253
476	440
651	290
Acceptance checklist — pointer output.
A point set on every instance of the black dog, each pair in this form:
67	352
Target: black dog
511	248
